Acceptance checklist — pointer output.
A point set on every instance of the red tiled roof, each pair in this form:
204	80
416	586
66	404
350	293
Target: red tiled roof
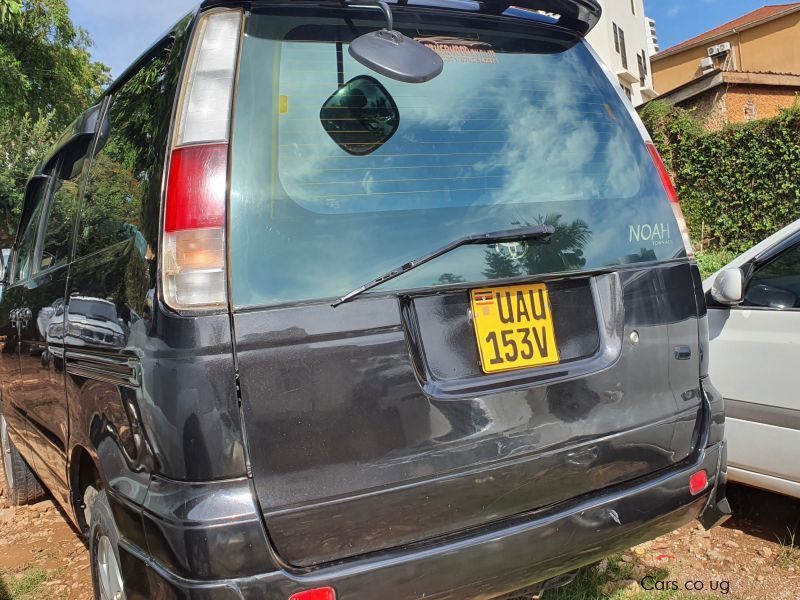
760	14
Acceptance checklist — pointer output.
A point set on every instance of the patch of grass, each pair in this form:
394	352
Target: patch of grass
789	554
591	582
713	260
26	587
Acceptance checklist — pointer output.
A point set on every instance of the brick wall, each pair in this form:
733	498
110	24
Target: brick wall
750	102
740	104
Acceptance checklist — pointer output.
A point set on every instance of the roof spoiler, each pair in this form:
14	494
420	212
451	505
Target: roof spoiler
579	16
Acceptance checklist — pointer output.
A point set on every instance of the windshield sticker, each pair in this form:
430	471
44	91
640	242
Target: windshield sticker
658	234
453	49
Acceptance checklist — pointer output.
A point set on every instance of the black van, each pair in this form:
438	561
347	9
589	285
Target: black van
329	299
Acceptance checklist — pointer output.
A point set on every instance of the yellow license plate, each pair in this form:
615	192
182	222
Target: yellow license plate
514	327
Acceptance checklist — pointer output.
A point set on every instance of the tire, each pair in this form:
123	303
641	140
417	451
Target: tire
103	549
21	483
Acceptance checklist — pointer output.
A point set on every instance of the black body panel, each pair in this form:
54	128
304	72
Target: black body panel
10	380
513	555
342	422
41	390
578	16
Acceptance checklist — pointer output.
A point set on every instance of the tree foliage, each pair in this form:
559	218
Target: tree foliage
737	186
21	143
10	11
47	77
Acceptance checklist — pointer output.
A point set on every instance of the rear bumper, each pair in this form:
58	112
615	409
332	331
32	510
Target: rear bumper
488	563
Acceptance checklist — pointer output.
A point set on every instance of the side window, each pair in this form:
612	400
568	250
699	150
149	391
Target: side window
63	207
776	284
127	162
23	263
36	193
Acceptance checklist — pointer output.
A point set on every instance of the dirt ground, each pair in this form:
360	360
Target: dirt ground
41	555
752	556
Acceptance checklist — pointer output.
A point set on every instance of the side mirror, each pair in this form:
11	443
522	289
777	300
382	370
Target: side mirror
728	287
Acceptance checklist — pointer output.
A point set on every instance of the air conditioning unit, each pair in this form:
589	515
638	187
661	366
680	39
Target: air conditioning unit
719	49
706	64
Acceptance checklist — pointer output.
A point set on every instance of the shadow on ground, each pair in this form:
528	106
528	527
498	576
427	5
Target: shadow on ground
771	517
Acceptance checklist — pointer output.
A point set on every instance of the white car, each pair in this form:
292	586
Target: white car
754	326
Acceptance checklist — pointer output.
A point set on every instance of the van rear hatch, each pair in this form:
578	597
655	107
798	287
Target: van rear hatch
497	379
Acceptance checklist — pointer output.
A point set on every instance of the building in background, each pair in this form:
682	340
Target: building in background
653	46
621	40
743	70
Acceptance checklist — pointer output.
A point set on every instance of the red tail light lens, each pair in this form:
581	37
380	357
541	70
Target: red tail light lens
666	180
669	188
698	482
325	593
194	227
196	189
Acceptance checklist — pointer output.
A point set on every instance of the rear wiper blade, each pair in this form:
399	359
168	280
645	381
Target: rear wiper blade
536	232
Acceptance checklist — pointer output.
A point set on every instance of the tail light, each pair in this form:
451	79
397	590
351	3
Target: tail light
666	181
325	593
698	482
194	265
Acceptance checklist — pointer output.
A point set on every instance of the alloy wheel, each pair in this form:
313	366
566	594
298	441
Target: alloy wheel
109	577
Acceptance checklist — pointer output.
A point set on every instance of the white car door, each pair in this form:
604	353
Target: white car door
755	363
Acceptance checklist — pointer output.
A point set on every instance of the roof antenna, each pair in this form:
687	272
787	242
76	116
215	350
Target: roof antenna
390	53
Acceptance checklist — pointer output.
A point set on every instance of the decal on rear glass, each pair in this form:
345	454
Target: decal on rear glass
658	234
453	49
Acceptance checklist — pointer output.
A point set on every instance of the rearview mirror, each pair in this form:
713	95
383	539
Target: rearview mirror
360	116
394	55
728	288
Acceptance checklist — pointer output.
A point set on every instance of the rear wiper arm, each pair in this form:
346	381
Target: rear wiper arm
536	232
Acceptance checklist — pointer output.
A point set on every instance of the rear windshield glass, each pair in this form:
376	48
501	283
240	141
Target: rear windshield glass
340	174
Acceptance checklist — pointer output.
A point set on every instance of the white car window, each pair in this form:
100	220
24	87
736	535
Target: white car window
776	284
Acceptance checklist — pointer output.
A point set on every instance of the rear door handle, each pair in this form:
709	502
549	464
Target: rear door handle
683	353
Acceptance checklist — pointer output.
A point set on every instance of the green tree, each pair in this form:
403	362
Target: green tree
22	142
10	11
47	77
46	62
738	185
